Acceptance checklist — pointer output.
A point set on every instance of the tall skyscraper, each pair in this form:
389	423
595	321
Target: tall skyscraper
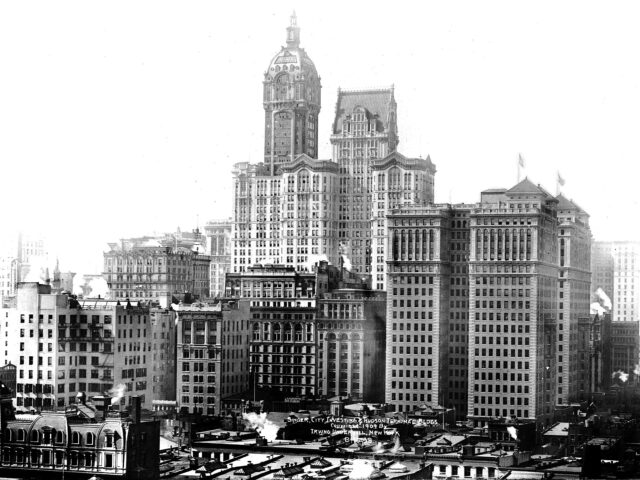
418	282
291	103
472	302
294	209
513	300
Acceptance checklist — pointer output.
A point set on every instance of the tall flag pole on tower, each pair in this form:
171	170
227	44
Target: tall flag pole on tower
520	165
559	183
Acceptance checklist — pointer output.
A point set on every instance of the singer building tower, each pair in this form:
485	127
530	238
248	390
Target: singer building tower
294	209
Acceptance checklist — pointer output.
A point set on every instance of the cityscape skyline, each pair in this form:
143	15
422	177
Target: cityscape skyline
479	73
330	285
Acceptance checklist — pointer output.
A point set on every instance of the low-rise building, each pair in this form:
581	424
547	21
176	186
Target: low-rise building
79	442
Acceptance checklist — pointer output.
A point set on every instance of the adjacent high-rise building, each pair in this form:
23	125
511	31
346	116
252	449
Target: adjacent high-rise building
625	340
395	181
62	346
283	306
602	271
218	246
625	296
513	301
472	302
23	258
351	344
574	297
212	355
317	333
418	281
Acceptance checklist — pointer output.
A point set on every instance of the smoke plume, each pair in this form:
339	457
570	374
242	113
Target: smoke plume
262	425
346	263
117	392
597	308
513	432
362	470
603	299
620	375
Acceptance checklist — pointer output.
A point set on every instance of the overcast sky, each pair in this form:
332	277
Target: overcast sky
123	118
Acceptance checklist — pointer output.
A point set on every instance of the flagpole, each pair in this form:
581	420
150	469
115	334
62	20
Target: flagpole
520	165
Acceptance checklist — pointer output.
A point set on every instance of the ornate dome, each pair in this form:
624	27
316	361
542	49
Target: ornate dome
291	58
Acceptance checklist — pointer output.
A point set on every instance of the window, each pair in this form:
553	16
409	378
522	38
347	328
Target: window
108	460
75	438
90	438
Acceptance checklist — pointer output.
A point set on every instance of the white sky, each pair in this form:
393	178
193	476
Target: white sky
124	118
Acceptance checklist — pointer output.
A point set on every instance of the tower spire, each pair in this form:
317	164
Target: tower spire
293	32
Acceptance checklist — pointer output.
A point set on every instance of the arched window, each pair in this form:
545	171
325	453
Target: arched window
22	435
90	438
287	332
265	332
35	437
59	437
277	334
298	332
8	434
75	438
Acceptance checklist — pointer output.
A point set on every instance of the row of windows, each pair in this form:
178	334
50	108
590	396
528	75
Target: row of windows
51	436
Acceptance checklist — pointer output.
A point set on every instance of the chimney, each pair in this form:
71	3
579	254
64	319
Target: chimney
136	405
102	403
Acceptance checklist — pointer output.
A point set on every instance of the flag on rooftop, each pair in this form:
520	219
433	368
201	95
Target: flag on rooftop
560	180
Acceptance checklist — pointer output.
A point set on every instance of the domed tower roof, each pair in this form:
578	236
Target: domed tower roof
291	58
291	99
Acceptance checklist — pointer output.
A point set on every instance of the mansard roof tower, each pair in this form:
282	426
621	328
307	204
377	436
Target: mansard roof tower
291	102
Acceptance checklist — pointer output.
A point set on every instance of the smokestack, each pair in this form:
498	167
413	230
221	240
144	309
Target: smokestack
136	405
102	403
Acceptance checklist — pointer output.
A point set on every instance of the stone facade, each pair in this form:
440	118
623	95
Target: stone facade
144	270
63	346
